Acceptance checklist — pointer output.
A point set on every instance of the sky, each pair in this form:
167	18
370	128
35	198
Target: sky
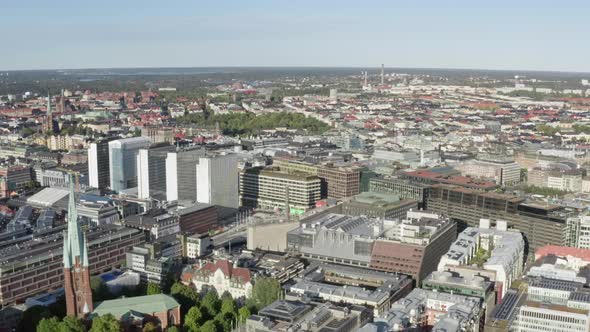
476	34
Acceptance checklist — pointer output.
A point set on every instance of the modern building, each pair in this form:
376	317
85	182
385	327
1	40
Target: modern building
217	180
351	285
412	246
403	188
340	182
156	223
36	266
198	218
223	277
489	249
14	178
197	245
274	189
298	316
540	224
427	310
151	171
181	174
502	170
98	164
123	162
136	311
539	316
378	205
270	236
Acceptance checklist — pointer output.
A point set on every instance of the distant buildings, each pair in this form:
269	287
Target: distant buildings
378	205
502	170
404	188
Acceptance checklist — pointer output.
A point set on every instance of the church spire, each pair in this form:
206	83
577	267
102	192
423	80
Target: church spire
48	103
75	241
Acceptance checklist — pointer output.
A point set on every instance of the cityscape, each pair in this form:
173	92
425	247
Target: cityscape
293	196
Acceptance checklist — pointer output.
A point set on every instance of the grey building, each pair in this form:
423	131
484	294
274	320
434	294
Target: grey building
181	174
123	161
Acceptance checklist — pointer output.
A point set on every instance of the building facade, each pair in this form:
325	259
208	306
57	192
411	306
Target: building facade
123	162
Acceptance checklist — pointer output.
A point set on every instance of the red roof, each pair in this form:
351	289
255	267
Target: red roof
228	270
583	254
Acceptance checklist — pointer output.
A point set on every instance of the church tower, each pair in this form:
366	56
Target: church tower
48	125
75	259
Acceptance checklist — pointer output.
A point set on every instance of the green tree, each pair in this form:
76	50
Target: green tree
209	326
228	305
105	323
72	324
211	304
31	318
187	296
173	329
153	288
243	314
49	325
100	291
265	292
193	319
225	321
150	327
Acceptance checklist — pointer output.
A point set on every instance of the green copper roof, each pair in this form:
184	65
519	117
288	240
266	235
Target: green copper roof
139	304
75	241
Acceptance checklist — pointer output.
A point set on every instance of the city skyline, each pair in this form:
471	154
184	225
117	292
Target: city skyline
457	35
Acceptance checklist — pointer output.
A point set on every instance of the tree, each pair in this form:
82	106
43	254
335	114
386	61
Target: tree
211	304
209	326
243	314
31	318
173	329
265	291
72	324
153	288
49	325
187	296
225	321
150	327
228	305
100	291
105	323
193	319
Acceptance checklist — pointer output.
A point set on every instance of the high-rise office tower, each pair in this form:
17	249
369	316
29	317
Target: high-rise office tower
75	260
181	174
98	164
217	180
151	171
123	161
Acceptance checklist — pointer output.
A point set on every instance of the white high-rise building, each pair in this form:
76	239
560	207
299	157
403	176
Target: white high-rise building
181	174
123	161
143	177
217	180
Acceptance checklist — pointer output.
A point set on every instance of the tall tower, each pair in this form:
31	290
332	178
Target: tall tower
48	125
75	259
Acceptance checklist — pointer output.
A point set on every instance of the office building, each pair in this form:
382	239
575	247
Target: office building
340	182
540	224
502	170
99	165
217	180
403	188
537	316
412	246
298	316
273	189
351	285
14	178
123	161
181	174
151	171
197	219
378	205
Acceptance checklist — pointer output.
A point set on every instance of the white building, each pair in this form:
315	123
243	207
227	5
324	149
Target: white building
224	277
497	250
502	171
535	317
123	161
217	180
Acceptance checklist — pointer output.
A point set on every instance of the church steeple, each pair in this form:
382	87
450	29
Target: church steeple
75	260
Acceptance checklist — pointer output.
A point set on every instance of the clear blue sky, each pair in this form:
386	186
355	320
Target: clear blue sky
517	34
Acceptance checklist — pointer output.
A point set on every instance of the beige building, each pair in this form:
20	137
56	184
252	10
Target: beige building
270	236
